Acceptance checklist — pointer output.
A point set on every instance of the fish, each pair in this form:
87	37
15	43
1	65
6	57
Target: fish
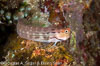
42	34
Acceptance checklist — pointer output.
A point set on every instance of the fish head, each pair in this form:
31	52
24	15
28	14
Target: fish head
63	34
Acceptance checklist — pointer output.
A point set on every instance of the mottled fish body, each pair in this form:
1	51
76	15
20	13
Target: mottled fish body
41	34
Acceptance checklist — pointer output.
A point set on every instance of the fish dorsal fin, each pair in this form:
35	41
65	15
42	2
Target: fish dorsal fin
34	23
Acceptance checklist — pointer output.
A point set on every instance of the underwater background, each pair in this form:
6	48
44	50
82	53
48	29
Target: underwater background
82	48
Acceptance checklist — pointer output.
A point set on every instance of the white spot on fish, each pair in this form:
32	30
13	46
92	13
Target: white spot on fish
40	34
45	34
33	34
41	37
27	32
31	28
23	32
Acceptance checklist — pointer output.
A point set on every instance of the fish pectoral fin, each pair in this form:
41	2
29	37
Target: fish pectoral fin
54	43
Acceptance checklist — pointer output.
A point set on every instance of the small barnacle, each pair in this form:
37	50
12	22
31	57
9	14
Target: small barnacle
9	21
25	14
35	17
15	17
28	8
20	14
8	15
2	11
22	8
13	55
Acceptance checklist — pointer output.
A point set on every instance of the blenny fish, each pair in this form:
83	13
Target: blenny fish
42	34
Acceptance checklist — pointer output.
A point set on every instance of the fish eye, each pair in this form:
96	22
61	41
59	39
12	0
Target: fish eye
66	31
